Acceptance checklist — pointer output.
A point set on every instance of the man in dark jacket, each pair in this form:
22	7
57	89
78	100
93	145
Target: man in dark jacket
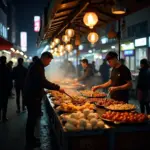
19	75
33	93
5	84
88	74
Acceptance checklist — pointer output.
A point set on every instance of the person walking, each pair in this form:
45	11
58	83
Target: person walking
33	93
19	75
5	84
143	86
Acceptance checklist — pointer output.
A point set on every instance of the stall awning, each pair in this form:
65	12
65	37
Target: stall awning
70	12
4	44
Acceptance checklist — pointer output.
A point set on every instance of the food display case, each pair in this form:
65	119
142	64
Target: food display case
96	123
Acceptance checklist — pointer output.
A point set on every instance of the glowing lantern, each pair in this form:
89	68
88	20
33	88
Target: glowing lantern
93	37
69	47
69	32
52	51
52	45
55	49
61	48
65	38
57	40
90	19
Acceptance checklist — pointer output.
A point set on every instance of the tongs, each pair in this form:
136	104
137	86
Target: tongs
108	95
92	93
69	95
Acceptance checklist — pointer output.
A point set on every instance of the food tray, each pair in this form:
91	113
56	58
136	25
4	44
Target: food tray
125	123
106	107
103	96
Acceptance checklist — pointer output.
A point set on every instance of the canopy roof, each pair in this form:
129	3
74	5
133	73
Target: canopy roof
63	13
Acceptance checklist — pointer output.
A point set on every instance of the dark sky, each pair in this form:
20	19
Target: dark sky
25	12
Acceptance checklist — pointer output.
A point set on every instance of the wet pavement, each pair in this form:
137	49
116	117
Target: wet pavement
12	133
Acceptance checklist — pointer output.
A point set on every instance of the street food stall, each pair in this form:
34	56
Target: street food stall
93	121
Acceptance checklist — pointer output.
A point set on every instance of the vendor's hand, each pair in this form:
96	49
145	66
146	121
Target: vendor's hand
113	89
94	88
61	90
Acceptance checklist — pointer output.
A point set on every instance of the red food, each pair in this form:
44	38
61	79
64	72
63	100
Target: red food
125	117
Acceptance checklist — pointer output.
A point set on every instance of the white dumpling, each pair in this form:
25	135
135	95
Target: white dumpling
100	124
72	121
88	126
86	112
74	115
92	115
83	122
70	127
93	122
81	115
79	127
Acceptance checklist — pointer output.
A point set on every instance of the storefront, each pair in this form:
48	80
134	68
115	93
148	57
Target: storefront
128	53
141	50
5	47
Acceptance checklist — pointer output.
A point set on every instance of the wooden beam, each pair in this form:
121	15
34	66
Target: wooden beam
73	16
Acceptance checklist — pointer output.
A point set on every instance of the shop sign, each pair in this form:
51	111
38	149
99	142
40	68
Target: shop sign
23	41
127	46
128	52
37	23
140	42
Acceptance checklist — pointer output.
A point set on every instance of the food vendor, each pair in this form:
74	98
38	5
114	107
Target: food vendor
120	79
88	74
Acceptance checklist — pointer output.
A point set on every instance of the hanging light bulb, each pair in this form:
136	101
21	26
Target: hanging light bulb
52	45
70	32
61	53
118	8
65	38
93	37
90	19
61	48
69	47
57	40
55	49
52	51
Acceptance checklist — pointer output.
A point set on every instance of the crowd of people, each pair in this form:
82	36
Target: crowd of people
30	84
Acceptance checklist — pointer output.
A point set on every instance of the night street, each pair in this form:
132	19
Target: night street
12	135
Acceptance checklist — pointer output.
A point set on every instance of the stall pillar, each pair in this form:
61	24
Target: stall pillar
67	55
119	38
77	60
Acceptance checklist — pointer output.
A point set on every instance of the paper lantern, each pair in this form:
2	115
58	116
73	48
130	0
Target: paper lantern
90	19
70	32
69	47
65	38
61	48
93	37
57	40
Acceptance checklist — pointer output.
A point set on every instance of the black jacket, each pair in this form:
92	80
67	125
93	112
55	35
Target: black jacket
143	82
5	79
88	73
36	82
19	75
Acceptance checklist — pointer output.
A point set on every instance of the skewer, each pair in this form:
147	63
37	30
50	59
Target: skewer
69	95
